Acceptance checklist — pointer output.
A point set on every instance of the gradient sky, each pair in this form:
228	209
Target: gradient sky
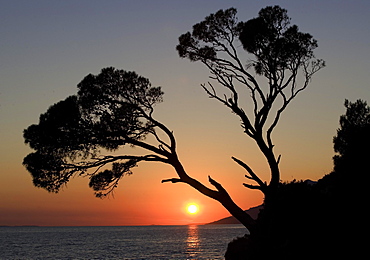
47	47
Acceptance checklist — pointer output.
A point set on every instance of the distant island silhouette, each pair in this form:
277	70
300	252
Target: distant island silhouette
253	212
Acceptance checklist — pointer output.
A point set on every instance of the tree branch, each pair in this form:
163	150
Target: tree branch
217	185
163	145
219	195
252	187
99	162
173	180
262	186
149	147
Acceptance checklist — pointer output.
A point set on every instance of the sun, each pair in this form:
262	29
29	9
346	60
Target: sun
192	208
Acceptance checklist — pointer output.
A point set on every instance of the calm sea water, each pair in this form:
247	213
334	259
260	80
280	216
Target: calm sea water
140	242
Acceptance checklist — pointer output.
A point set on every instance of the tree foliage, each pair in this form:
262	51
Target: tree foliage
349	179
276	45
111	110
352	142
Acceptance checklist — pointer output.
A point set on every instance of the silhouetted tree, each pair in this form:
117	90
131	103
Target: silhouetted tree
352	142
348	183
278	65
112	110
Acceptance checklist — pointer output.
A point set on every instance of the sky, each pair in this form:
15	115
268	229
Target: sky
47	47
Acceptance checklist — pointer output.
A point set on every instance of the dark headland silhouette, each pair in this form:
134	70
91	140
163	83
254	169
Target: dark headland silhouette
253	212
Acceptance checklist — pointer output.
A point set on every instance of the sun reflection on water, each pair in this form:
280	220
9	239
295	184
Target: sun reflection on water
192	242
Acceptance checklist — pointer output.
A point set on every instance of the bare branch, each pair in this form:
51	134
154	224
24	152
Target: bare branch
253	176
163	145
278	160
217	185
212	94
104	160
252	187
169	133
173	180
150	147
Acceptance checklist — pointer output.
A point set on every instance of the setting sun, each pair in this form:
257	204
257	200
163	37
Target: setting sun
192	209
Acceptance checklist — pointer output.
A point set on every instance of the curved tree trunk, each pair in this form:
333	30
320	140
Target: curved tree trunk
220	194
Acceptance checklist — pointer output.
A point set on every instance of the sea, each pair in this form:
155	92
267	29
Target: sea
121	242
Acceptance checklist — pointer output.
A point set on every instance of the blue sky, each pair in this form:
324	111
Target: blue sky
47	47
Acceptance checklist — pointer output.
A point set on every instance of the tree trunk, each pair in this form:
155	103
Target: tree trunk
273	164
242	216
220	194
